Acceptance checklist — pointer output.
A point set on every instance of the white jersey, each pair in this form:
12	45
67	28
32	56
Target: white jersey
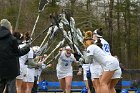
64	62
103	61
106	46
85	67
95	65
38	71
24	58
29	77
99	55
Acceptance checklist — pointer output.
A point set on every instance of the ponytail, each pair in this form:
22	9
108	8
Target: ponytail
27	36
98	43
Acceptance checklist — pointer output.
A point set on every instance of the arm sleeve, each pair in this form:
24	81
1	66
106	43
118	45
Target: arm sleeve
81	61
31	62
24	50
89	59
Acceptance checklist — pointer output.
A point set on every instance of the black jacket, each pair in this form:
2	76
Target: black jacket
9	54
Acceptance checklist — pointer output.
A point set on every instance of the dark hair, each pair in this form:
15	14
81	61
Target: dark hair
98	43
27	36
17	35
100	32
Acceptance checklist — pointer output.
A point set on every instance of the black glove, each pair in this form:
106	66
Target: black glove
77	56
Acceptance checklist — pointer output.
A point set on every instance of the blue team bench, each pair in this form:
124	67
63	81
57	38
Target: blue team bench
127	86
54	87
77	86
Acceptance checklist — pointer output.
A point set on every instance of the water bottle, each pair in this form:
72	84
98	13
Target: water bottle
43	85
84	90
124	91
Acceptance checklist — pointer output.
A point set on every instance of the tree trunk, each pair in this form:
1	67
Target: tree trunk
110	22
19	12
72	6
118	29
138	35
127	33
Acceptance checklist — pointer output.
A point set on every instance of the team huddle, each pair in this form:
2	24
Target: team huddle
31	66
104	67
96	58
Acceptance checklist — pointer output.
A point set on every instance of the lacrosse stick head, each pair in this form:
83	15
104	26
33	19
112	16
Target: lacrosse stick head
36	49
42	5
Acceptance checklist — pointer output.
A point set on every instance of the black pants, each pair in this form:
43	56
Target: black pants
8	85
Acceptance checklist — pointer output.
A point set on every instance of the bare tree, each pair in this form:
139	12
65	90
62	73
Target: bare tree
19	12
127	31
118	29
138	32
110	22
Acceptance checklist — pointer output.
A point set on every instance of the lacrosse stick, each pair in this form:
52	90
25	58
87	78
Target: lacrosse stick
58	45
41	7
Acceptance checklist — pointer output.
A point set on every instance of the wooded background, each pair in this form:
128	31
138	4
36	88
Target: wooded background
120	20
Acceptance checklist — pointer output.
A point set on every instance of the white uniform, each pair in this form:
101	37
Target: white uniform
38	71
85	67
29	76
106	46
64	67
95	68
108	62
22	61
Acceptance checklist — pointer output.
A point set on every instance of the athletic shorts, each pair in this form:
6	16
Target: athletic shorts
85	67
29	76
23	69
96	71
112	65
85	76
38	72
63	74
117	74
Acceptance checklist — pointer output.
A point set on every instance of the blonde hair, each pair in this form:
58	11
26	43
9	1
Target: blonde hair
88	36
7	24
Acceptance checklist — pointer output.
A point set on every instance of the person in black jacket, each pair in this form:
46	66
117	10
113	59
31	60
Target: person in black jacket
9	57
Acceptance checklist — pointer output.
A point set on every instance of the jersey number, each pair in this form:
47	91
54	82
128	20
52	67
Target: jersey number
66	64
106	47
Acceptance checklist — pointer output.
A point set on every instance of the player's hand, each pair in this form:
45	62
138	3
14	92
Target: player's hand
79	73
49	65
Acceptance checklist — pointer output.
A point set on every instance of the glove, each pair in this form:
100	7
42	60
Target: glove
28	45
43	66
82	60
77	56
